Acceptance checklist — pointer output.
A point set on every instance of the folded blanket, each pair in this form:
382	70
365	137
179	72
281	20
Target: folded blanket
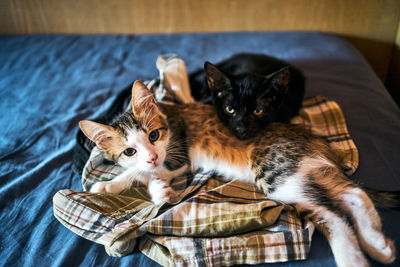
209	222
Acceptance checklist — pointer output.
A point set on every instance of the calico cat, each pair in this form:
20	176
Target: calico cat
286	162
139	141
249	91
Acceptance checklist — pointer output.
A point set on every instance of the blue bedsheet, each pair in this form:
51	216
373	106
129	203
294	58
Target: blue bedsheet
50	82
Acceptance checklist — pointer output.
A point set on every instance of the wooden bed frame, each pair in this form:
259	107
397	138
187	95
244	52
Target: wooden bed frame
370	25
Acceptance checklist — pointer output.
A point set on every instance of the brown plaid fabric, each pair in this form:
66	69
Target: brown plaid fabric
210	222
325	118
215	224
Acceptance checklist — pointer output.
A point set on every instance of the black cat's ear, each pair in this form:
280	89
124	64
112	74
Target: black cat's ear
281	79
216	79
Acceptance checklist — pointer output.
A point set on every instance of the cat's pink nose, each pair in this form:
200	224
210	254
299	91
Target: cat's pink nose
152	159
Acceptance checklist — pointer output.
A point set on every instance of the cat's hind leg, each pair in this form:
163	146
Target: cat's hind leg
368	225
339	233
325	213
329	187
313	188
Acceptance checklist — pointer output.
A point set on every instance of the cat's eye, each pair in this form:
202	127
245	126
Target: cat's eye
229	110
129	152
258	112
154	135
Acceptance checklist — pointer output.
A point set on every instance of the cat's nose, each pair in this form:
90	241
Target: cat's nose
241	130
152	159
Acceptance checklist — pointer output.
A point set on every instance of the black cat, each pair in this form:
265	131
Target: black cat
249	91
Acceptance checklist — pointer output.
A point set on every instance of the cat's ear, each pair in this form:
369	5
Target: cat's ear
281	79
99	133
216	79
143	102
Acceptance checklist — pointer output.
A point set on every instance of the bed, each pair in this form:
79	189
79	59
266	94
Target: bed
50	82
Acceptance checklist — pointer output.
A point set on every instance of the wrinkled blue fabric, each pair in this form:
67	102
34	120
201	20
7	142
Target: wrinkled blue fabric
50	82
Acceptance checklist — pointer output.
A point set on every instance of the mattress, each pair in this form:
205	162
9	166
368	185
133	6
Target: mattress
50	82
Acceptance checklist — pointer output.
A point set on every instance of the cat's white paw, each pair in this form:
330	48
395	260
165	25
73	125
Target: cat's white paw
106	187
383	250
99	187
160	191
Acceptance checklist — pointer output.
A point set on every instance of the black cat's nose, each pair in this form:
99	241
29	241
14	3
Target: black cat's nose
240	130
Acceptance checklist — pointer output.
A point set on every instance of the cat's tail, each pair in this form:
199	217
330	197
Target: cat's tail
384	199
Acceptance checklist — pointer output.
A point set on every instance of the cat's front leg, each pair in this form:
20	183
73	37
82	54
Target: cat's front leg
159	191
116	185
108	187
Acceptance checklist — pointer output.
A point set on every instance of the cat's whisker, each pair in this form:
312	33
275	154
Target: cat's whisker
176	157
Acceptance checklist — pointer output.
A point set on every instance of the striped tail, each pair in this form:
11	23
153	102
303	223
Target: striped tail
384	199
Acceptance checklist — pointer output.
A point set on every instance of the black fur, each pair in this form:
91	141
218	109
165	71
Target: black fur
249	82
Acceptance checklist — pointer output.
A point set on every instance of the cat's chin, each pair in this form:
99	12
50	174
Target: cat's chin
243	136
247	134
153	168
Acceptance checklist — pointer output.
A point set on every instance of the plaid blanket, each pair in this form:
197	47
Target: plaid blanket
209	222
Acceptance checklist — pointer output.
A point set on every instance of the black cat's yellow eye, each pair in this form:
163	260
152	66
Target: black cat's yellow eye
229	110
258	112
154	135
129	152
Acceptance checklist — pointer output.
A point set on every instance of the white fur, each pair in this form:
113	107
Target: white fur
343	242
368	226
291	191
159	191
140	168
145	150
120	182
